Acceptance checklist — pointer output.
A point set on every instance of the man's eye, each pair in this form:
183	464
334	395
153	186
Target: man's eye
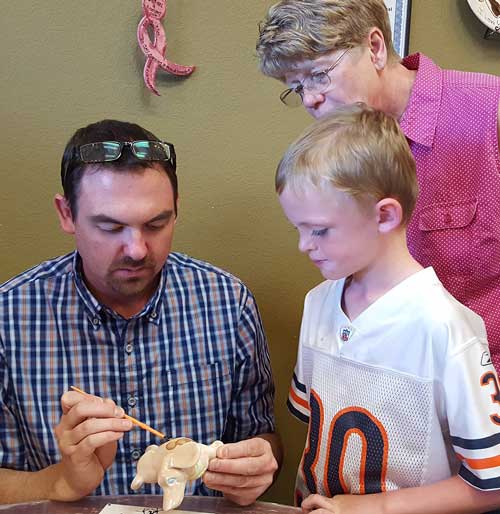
109	227
157	226
319	232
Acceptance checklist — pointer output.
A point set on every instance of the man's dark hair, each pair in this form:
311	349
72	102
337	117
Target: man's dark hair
73	169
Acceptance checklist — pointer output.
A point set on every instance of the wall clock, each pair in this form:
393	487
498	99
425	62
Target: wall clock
488	12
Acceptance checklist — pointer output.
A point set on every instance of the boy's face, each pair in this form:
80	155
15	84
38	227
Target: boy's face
338	236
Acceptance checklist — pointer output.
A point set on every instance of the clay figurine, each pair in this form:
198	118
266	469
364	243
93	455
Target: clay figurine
171	465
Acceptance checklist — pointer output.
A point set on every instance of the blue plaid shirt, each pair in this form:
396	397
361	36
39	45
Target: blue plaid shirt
194	362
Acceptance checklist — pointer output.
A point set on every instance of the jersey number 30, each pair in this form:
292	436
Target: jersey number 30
354	421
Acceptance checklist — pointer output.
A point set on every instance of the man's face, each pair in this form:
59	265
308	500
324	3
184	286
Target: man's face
123	231
354	79
339	237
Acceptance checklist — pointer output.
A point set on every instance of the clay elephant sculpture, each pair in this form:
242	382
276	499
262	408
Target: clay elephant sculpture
171	465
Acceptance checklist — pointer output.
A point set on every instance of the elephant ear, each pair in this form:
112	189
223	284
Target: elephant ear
185	455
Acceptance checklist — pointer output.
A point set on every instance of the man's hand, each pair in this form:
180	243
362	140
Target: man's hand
342	504
87	436
243	471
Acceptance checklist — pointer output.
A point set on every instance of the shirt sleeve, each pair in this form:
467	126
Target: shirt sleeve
472	393
298	397
12	454
252	404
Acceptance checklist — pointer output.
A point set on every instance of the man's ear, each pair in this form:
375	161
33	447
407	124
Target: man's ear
389	215
64	214
377	47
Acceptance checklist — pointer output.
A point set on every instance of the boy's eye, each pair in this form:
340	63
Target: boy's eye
319	232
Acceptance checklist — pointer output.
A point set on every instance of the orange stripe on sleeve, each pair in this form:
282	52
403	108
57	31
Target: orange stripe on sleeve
297	399
489	462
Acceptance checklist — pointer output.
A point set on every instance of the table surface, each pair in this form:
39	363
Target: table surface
94	504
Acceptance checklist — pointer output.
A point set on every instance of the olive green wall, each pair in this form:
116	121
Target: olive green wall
66	63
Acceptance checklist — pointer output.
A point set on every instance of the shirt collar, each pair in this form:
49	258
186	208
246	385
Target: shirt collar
419	120
95	309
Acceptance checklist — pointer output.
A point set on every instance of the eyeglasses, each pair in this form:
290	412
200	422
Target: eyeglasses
315	83
108	151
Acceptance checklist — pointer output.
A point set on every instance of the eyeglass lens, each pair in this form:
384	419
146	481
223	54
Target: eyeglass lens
150	150
316	83
292	97
105	151
100	152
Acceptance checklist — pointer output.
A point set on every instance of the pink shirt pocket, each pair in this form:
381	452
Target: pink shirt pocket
449	236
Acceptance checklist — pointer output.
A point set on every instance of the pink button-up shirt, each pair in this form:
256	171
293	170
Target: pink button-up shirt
451	124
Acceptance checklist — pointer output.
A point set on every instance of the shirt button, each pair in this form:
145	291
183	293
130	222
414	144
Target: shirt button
132	400
129	348
95	321
135	454
447	218
153	315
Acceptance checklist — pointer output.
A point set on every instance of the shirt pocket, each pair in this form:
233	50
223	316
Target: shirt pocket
198	399
449	237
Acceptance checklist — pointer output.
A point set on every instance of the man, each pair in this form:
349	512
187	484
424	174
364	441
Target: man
176	341
336	52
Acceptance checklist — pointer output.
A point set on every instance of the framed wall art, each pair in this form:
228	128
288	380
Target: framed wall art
399	14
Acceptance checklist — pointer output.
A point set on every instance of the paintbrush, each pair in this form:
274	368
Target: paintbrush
126	416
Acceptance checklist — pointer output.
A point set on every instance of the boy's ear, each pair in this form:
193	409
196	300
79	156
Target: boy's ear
378	49
389	214
64	214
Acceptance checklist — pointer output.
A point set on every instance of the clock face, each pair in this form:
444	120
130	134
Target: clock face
488	11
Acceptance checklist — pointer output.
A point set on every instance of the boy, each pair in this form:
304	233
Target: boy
393	374
337	52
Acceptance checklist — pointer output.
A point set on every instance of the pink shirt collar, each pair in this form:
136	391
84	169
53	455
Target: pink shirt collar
420	118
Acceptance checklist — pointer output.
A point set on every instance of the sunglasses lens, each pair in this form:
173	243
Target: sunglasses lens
151	150
106	151
100	152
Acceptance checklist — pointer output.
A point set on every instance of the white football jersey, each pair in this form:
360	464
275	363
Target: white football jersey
404	395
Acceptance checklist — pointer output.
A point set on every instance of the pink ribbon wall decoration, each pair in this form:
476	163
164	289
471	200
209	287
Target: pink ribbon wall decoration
154	11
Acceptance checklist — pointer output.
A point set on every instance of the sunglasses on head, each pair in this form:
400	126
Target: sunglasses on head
108	151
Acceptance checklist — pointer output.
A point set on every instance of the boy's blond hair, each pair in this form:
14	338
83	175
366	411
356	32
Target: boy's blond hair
297	30
358	150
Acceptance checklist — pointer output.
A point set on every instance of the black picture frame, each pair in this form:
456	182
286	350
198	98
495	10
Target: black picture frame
399	15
